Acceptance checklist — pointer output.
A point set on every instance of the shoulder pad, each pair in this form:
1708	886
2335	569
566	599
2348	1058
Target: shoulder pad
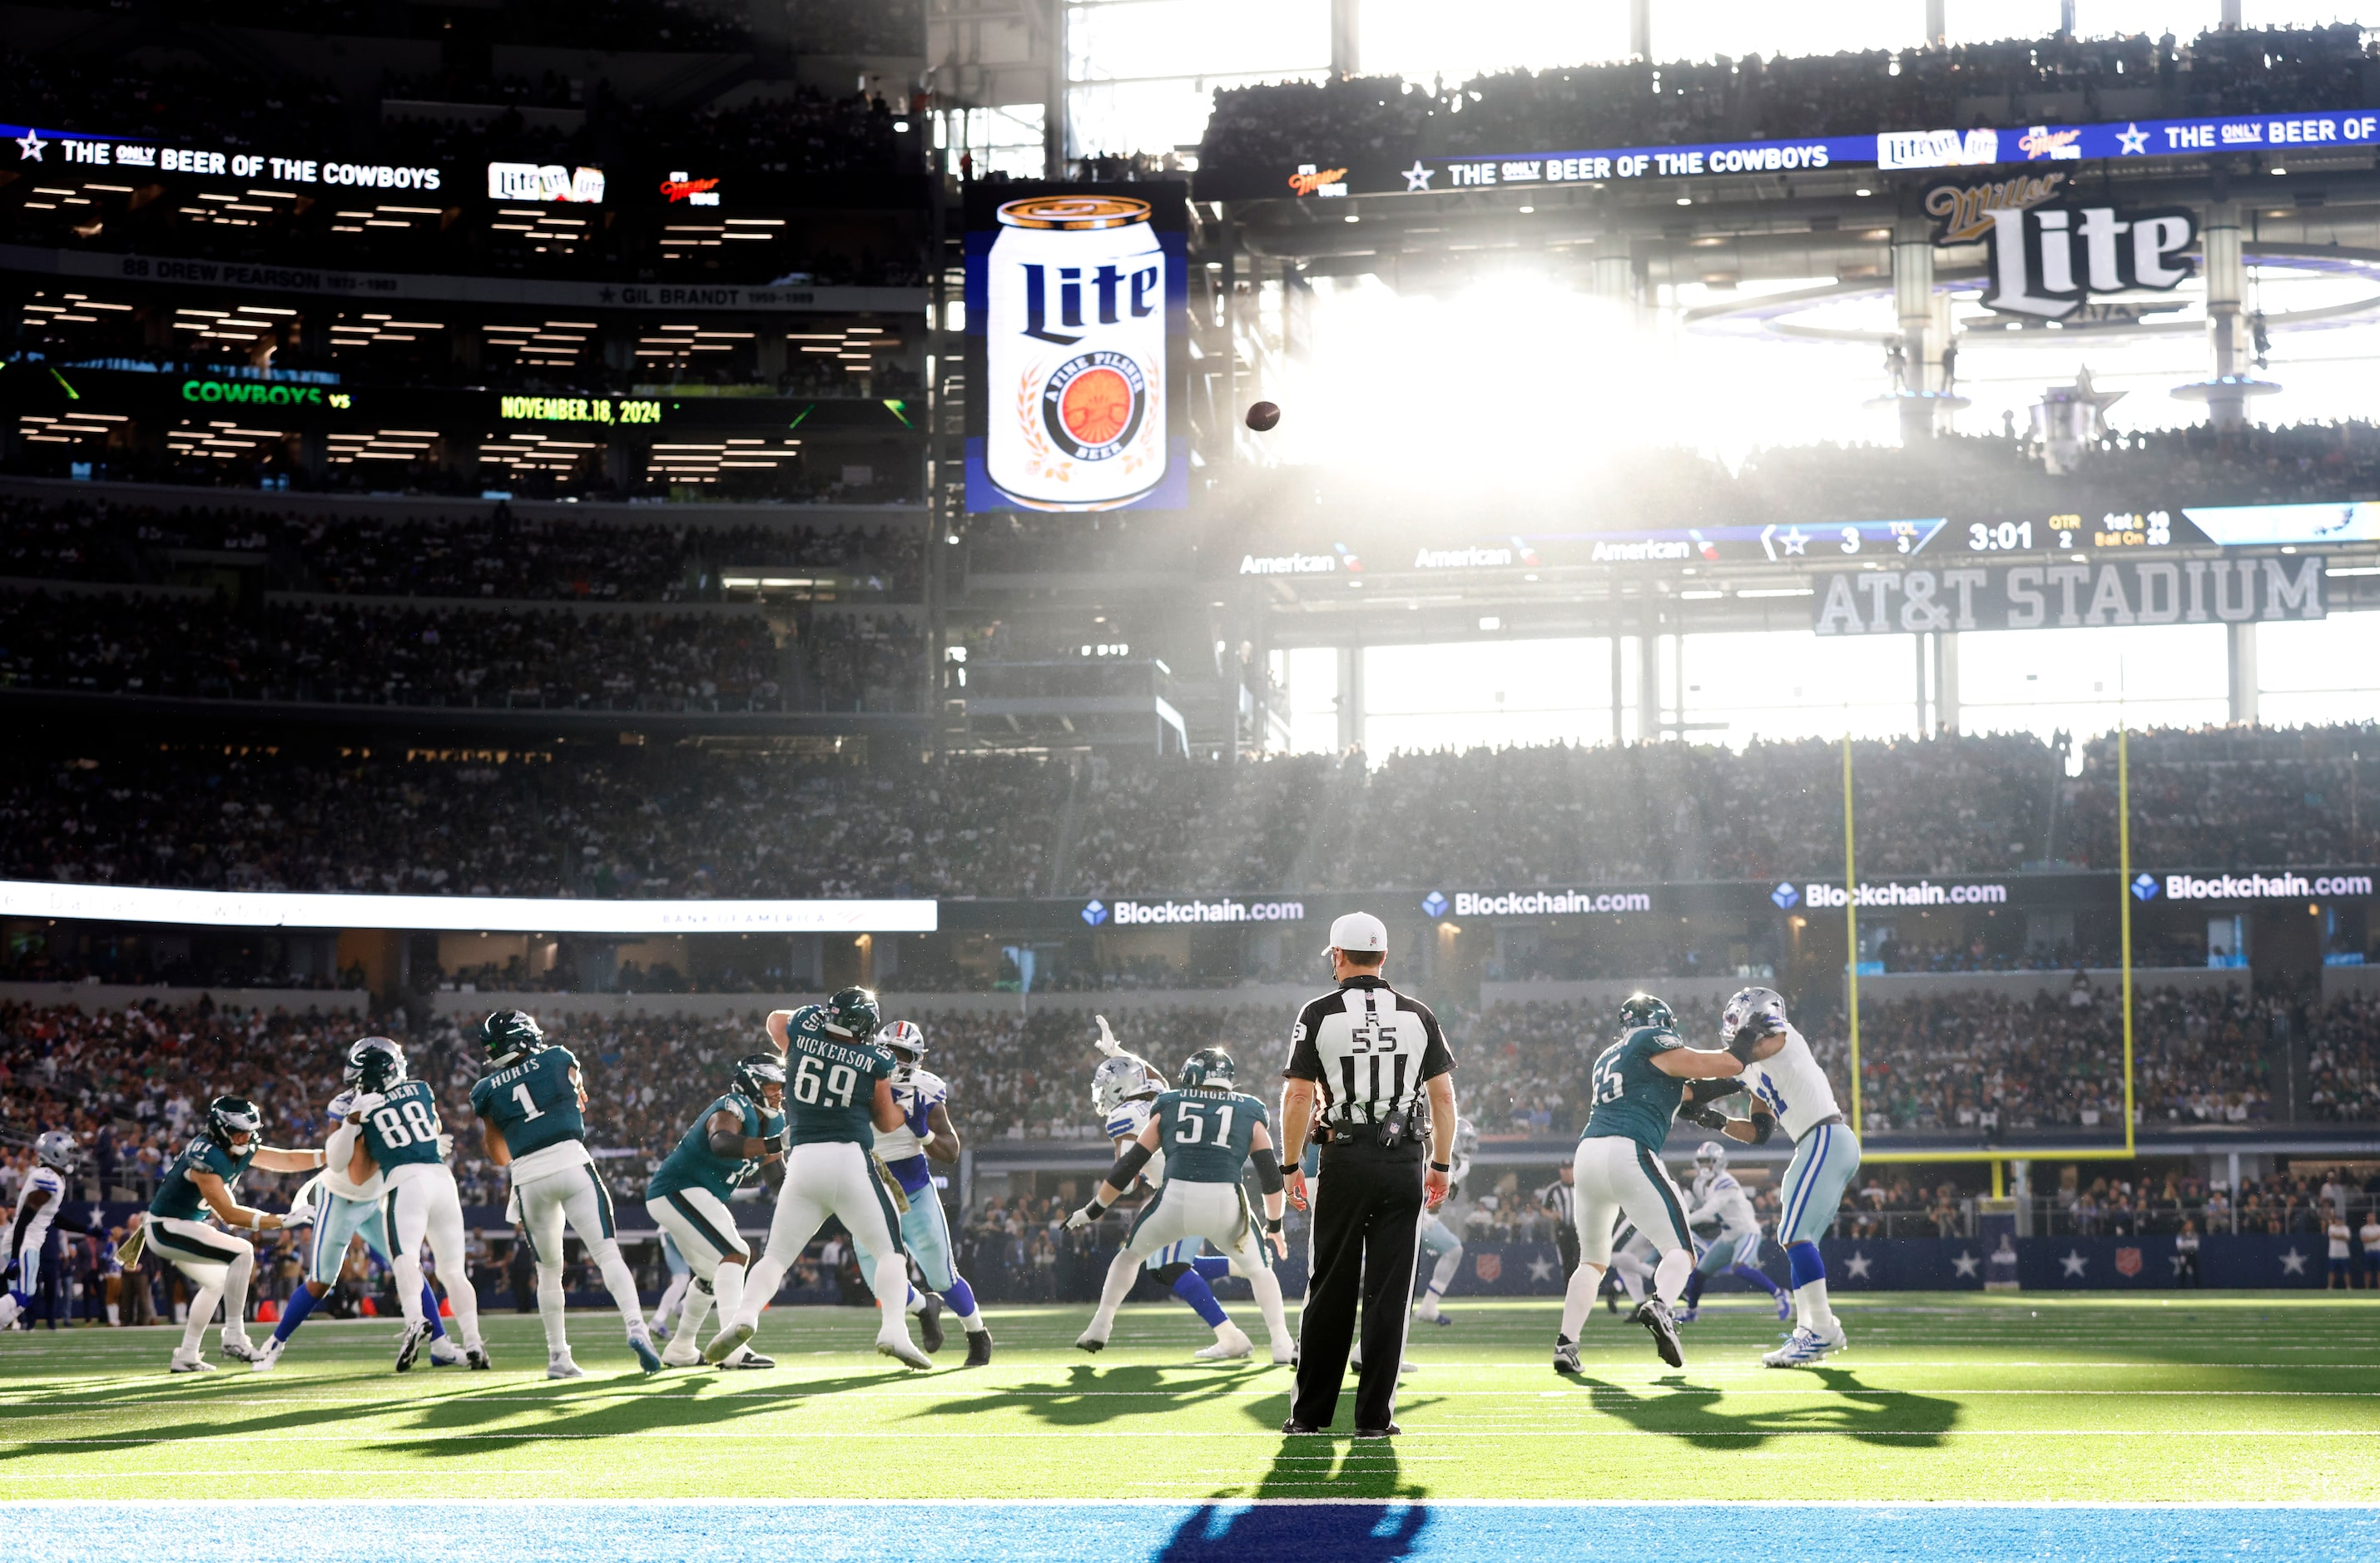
1659	1037
928	1084
46	1178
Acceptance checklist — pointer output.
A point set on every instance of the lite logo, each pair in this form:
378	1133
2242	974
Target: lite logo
1108	285
2046	262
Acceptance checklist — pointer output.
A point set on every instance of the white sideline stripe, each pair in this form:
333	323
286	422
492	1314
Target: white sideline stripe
846	1434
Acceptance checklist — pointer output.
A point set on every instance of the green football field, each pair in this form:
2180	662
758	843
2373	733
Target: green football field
2212	1397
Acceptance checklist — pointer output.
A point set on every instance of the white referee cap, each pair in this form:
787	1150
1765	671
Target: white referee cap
1360	931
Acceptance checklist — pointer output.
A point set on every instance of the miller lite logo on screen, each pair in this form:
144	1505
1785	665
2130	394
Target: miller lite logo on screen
2046	262
1075	353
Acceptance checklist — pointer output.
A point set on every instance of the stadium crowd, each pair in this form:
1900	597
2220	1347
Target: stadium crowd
1259	134
725	824
196	646
483	553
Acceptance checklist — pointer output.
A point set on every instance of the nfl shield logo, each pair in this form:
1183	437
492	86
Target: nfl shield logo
1490	1266
2128	1260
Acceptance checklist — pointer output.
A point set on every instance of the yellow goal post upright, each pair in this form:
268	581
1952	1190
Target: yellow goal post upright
1998	1159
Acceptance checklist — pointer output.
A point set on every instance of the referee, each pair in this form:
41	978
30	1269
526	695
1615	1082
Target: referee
1559	1200
1370	1076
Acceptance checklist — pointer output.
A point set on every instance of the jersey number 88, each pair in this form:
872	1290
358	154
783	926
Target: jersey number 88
401	1129
815	1087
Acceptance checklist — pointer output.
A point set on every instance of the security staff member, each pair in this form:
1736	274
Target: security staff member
1363	1062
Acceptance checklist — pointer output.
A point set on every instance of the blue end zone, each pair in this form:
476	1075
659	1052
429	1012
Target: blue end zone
470	1531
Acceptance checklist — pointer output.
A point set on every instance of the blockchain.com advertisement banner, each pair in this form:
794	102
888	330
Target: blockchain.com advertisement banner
1077	337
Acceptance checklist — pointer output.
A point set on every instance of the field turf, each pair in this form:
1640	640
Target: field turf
2027	1399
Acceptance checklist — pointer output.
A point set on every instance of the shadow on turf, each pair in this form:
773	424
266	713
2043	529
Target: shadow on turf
1380	1521
1090	1395
1687	1410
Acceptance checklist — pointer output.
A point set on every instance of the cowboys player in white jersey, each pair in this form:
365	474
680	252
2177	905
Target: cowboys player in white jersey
38	1204
1439	1240
1718	1197
1785	1080
1123	1088
926	1135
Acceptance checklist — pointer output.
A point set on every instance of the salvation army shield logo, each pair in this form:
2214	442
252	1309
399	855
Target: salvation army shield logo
2128	1260
1490	1266
1092	405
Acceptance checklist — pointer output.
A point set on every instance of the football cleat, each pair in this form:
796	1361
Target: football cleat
1784	1307
1801	1350
730	1337
978	1348
682	1355
747	1360
266	1360
558	1365
1086	1341
477	1356
1565	1355
237	1349
1231	1344
408	1345
1285	1356
642	1345
1653	1314
1832	1338
930	1323
661	1329
1687	1315
190	1361
1427	1310
903	1350
443	1352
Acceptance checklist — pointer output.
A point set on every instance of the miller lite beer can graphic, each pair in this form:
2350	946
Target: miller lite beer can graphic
1075	353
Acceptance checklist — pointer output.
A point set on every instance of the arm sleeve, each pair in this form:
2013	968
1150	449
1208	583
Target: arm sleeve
1127	1166
1763	1125
1701	1091
341	1148
1268	1166
1437	1058
1304	1059
727	1144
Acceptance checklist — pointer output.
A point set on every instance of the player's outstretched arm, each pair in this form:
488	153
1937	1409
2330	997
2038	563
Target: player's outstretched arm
944	1143
1698	1063
229	1211
778	1020
272	1159
729	1142
886	1109
1127	1167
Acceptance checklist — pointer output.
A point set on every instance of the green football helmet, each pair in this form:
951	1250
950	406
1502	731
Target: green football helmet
507	1034
232	1117
374	1063
1209	1069
854	1012
754	1073
1640	1010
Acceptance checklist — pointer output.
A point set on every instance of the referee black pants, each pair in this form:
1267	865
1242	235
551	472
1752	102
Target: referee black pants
1367	1226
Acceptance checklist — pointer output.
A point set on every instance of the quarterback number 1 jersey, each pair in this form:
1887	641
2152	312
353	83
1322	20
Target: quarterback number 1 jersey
1632	1098
533	1103
1205	1133
405	1128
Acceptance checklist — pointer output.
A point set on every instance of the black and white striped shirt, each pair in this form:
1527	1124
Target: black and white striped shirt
1562	1199
1369	1048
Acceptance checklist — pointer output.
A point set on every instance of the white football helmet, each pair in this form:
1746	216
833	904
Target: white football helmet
1748	1004
1710	1157
1466	1139
56	1149
903	1037
1120	1079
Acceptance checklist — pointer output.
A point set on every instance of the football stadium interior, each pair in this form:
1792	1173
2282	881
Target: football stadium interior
851	623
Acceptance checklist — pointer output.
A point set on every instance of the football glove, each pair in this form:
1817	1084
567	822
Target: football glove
299	1215
1108	1046
1081	1221
1709	1118
365	1101
445	1146
1748	1035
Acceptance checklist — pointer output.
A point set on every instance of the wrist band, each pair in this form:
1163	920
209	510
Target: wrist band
1440	1166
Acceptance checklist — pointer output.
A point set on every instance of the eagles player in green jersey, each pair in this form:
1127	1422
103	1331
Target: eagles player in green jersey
742	1132
1639	1082
1210	1134
838	1092
531	1108
204	1178
399	1136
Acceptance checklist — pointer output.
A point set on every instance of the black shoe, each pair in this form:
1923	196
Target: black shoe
1565	1355
478	1359
978	1348
1653	1314
930	1324
1294	1426
1391	1431
409	1346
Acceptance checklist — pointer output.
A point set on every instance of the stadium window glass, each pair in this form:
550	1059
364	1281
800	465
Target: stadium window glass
2322	672
1313	673
1425	41
1737	28
1486	693
1007	139
2039	681
1142	74
1776	685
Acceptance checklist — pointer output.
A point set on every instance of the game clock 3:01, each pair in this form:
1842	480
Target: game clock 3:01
2064	533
